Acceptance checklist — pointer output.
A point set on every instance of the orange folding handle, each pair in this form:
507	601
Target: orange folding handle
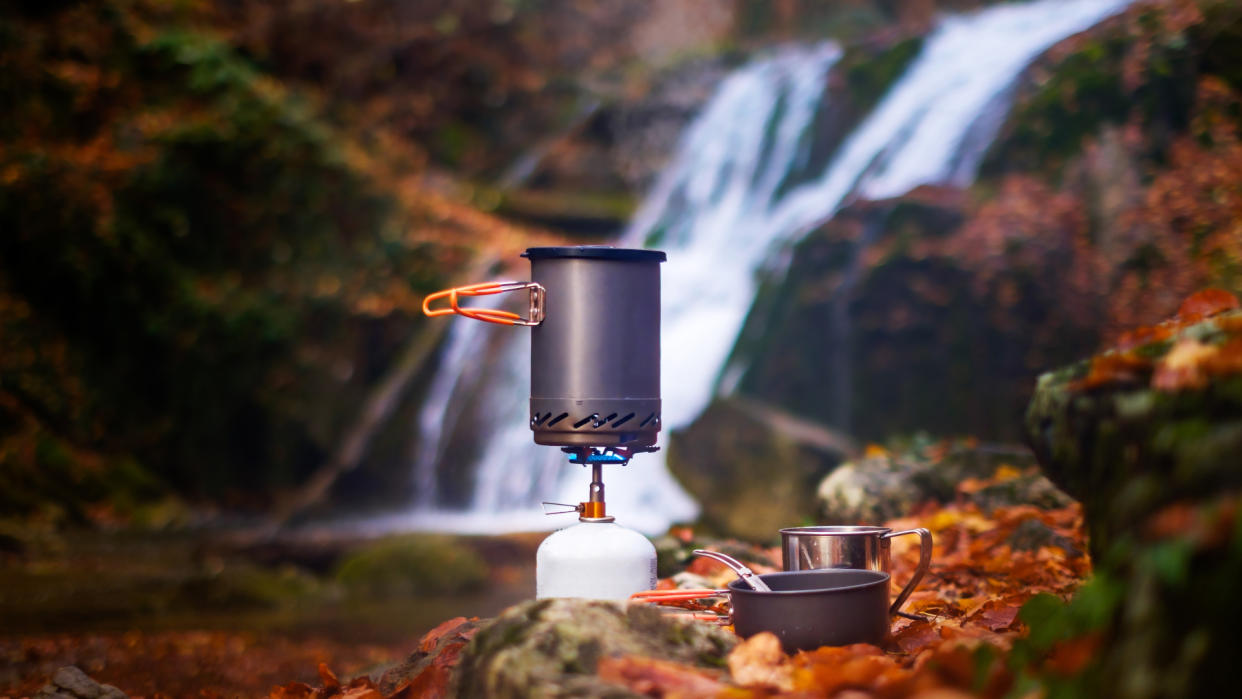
658	596
489	315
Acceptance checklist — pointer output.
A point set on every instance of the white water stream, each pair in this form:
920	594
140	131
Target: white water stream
721	213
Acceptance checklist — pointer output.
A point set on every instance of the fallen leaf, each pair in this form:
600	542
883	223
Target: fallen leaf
1183	367
654	677
330	682
293	690
759	660
995	615
432	637
433	681
1206	303
916	636
1113	367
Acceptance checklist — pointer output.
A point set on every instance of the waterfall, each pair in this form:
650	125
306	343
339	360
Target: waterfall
724	208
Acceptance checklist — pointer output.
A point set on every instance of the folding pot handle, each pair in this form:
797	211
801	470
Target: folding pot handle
490	315
925	553
658	596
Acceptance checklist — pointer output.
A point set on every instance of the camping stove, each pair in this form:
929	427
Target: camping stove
594	314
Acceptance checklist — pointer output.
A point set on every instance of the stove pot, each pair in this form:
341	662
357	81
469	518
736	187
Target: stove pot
594	316
595	358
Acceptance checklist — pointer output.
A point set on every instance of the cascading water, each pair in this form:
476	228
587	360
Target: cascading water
723	209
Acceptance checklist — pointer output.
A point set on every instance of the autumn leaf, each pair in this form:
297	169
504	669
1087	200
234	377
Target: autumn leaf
759	660
432	637
654	677
293	690
1182	367
996	615
1205	304
433	682
330	682
1113	367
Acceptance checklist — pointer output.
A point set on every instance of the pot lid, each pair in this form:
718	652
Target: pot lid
595	252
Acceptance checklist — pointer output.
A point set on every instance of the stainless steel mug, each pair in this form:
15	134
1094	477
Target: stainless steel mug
856	547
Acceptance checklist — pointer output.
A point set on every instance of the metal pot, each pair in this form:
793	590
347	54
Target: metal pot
595	342
809	609
595	358
852	547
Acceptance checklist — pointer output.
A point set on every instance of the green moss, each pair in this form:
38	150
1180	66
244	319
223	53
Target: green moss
1083	92
412	564
868	76
242	586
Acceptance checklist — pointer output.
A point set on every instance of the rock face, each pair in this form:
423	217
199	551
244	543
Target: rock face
903	315
551	648
1148	435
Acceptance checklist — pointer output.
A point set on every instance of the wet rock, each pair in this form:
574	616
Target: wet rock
1106	433
753	470
71	683
551	648
1147	436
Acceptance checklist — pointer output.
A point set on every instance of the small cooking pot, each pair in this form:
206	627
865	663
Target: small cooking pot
812	608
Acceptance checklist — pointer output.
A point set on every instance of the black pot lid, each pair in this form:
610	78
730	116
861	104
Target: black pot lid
595	252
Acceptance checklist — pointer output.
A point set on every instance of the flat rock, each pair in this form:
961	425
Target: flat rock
71	683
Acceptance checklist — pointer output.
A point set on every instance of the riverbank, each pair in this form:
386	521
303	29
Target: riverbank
181	612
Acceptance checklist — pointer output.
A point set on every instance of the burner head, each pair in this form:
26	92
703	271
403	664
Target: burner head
595	358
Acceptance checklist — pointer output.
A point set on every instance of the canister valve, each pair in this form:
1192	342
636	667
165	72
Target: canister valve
593	510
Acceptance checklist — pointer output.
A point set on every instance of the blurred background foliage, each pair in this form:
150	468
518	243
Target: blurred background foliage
198	270
217	218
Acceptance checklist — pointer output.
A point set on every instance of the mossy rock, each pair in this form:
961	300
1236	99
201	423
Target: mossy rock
1147	436
412	564
245	586
551	648
1125	447
886	486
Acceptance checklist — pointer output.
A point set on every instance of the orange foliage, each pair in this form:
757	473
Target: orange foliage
1190	217
985	566
1189	364
654	677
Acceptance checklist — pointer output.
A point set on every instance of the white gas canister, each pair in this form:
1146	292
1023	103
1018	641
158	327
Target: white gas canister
594	560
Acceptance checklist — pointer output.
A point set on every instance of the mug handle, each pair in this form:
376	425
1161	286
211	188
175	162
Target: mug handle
925	553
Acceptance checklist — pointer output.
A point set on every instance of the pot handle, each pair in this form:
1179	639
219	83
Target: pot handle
490	315
925	553
658	596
